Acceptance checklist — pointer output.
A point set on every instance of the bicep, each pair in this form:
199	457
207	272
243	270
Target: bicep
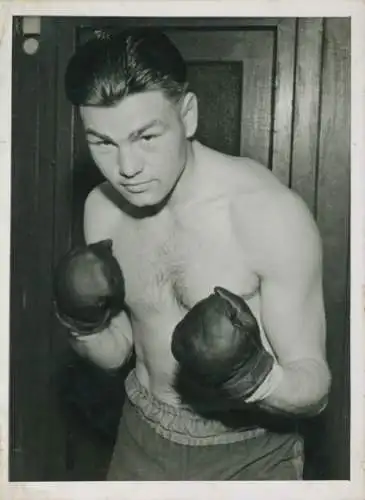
292	308
293	319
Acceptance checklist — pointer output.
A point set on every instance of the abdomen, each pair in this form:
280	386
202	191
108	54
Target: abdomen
155	364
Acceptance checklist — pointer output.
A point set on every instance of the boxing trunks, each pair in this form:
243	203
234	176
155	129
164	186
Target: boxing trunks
156	441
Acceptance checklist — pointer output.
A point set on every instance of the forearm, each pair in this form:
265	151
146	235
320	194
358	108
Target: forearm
106	349
302	389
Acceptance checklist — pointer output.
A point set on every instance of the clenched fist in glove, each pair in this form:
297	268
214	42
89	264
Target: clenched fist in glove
88	288
219	350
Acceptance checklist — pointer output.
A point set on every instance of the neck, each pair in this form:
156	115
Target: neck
183	192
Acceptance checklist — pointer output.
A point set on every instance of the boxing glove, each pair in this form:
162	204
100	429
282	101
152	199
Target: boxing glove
219	350
88	288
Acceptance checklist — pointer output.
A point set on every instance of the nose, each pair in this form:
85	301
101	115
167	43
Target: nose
129	164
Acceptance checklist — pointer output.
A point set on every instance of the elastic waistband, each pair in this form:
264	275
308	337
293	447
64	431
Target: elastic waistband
181	425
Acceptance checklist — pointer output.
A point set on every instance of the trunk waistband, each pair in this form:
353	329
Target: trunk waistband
180	424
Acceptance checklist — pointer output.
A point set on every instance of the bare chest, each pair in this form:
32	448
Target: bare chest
180	262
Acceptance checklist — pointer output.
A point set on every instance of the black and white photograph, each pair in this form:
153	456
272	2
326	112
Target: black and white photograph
183	296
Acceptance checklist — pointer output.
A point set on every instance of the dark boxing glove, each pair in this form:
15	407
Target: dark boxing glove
219	350
88	288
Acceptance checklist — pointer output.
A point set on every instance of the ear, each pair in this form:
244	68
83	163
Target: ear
189	114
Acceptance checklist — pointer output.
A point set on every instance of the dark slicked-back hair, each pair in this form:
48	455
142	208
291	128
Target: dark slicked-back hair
104	70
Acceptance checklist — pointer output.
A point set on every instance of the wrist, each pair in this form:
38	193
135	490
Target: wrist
268	386
300	389
80	328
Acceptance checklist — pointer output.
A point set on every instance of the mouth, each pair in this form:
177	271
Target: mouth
136	187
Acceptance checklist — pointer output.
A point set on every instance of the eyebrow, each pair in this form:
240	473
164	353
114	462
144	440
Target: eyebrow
132	135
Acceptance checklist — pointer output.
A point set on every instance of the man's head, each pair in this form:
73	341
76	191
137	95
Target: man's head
138	115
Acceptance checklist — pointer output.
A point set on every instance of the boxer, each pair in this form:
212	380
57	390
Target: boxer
222	271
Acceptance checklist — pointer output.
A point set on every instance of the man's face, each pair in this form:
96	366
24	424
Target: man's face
139	145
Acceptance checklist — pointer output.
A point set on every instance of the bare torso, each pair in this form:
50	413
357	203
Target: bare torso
175	258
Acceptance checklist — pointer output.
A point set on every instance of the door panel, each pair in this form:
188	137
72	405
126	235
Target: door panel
218	86
284	83
254	50
306	110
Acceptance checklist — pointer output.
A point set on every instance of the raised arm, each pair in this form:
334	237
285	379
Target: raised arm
113	346
288	258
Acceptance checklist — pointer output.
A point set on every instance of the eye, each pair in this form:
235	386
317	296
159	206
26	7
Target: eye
149	137
101	142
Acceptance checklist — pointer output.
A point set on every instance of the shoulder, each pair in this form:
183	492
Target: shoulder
278	229
234	174
274	227
262	207
101	213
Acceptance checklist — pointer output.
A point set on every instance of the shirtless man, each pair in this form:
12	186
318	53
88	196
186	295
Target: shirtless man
184	218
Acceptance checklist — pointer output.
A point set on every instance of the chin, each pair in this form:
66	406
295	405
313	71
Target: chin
142	199
145	204
150	197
